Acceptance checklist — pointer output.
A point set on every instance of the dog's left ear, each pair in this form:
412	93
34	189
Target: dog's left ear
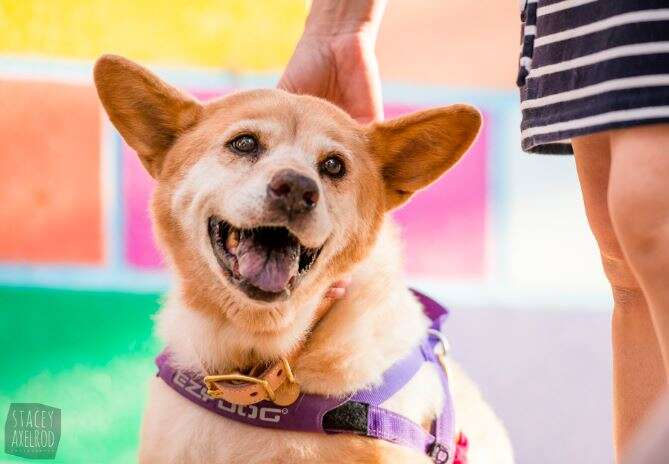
149	114
414	150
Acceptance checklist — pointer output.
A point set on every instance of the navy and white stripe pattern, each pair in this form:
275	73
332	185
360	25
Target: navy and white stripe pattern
591	65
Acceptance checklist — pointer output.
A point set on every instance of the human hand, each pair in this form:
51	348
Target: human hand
335	57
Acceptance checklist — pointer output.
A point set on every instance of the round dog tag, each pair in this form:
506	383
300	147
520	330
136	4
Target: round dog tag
287	393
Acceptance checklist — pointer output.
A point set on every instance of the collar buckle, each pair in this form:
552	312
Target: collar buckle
277	383
216	391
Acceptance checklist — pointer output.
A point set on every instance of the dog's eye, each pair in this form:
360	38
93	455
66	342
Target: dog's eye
244	144
333	166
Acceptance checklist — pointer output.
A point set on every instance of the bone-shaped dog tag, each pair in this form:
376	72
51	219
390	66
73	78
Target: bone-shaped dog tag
287	393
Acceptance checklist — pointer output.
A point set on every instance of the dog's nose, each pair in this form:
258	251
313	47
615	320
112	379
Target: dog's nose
292	192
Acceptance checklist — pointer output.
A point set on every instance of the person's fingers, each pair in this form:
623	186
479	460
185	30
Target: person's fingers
335	293
338	289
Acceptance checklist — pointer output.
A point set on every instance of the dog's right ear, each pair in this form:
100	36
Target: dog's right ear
149	114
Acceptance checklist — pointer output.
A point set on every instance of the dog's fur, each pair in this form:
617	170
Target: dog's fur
211	325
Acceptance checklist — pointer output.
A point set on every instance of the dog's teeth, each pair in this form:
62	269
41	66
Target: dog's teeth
232	241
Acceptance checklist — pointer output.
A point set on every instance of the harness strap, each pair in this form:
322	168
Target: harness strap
397	376
363	415
444	425
390	426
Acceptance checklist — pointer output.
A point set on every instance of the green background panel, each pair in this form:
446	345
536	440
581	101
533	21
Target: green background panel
89	354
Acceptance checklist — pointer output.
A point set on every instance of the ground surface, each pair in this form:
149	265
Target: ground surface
548	376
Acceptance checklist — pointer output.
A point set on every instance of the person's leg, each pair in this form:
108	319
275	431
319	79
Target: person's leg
639	199
638	374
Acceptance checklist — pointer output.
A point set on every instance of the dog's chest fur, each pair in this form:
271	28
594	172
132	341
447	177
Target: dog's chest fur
364	334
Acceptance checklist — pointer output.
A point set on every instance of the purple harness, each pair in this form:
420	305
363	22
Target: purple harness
358	413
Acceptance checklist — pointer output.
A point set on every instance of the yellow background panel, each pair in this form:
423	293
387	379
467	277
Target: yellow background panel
239	35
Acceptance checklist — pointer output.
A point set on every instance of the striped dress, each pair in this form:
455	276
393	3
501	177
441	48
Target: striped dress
591	65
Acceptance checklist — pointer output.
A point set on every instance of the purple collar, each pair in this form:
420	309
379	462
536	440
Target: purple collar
359	413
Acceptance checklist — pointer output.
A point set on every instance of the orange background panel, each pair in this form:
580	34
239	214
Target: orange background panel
50	200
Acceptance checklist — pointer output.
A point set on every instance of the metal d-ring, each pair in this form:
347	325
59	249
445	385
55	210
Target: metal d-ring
445	348
443	341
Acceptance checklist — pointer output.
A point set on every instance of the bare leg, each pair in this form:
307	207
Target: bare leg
639	198
638	373
650	445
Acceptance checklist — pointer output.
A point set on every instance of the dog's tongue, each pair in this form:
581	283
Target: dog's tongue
266	267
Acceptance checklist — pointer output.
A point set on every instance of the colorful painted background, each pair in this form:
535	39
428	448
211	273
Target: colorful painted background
80	274
234	35
77	196
79	269
81	277
68	178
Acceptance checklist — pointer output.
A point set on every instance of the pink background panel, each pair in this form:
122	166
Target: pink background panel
443	226
140	249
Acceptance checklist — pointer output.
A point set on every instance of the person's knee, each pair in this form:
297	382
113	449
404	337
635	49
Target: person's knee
638	193
625	289
624	286
640	217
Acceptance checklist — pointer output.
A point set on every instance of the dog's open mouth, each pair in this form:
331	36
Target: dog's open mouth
266	263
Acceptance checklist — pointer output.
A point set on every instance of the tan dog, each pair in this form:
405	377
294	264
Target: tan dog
263	200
